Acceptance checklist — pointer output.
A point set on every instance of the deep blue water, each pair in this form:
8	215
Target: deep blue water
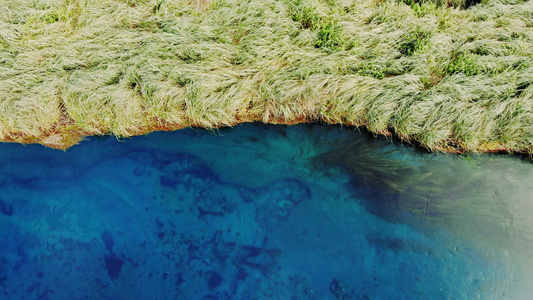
262	212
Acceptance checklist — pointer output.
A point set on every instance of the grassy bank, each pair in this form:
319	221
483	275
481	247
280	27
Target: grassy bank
450	75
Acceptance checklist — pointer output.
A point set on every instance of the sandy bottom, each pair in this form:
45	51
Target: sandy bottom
256	212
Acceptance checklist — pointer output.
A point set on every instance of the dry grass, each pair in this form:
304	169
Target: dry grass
450	75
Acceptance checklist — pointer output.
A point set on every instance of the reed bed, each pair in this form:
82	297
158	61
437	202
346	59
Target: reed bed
449	75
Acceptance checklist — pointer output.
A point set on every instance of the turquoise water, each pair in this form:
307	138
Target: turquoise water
262	212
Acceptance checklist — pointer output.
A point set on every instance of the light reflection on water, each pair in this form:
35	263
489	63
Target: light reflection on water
310	212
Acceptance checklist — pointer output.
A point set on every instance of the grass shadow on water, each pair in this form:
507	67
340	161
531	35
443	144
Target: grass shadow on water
465	195
375	175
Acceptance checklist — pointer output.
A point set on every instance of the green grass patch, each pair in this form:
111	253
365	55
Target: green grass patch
446	74
413	41
313	17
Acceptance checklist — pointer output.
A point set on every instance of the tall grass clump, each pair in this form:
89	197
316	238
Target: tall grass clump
449	75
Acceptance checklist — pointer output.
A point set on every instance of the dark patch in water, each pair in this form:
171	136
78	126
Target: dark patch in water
180	279
23	257
113	265
207	212
393	244
281	130
214	281
342	292
258	258
108	241
5	208
176	168
242	274
159	223
168	181
396	245
201	171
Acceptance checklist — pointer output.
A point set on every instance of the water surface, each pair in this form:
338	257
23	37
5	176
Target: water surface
262	212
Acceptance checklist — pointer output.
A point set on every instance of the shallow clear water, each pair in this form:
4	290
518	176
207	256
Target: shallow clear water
262	212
